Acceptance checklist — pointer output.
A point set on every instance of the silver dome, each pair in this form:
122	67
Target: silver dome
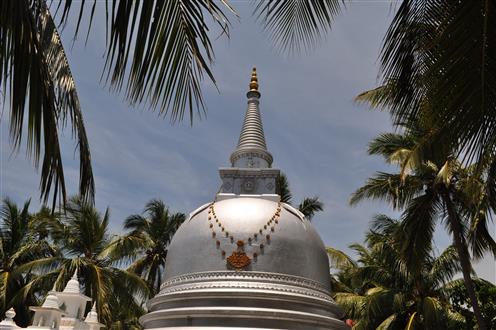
287	286
293	249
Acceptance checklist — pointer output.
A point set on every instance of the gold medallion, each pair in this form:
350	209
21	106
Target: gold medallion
238	260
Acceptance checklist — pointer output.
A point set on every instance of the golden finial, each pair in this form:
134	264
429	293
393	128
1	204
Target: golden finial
254	80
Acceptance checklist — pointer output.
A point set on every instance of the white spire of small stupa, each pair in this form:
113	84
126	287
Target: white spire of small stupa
73	284
51	301
92	319
92	316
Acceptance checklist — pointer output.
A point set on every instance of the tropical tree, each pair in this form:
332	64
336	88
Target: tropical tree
486	294
81	233
161	49
308	206
433	186
444	50
36	76
147	242
380	290
441	49
18	246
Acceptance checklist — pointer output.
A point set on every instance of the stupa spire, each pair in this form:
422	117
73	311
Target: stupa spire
252	149
251	171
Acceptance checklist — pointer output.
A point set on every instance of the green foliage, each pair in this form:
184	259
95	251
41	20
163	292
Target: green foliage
486	294
19	246
445	51
296	25
35	74
433	186
380	291
145	246
308	206
80	234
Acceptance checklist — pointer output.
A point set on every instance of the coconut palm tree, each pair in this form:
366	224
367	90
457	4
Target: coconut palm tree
147	242
308	206
81	233
36	77
380	291
444	50
440	49
486	294
18	246
164	64
433	186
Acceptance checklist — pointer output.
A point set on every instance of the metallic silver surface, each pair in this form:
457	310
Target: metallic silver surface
286	287
294	248
253	300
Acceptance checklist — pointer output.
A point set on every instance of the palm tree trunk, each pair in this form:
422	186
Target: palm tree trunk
461	247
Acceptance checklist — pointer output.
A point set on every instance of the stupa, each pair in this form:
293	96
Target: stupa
60	311
246	260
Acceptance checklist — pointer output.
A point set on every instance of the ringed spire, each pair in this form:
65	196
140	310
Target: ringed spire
251	150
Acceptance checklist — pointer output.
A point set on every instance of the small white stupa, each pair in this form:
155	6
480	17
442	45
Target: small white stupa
60	311
8	322
91	320
73	302
48	315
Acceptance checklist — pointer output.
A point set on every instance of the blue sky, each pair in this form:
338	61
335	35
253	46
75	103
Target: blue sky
317	134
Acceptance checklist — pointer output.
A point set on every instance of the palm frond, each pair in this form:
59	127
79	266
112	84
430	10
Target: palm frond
130	283
388	144
159	51
388	323
445	267
433	311
297	25
36	76
418	223
384	225
479	237
339	259
282	188
309	206
391	188
126	248
42	282
136	222
353	305
379	302
379	97
431	48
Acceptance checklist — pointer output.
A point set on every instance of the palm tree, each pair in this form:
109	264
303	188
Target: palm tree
380	291
486	294
440	49
164	65
18	246
36	76
147	242
308	206
81	233
444	50
433	186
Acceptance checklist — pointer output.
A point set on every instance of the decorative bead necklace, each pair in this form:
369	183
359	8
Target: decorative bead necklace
239	260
